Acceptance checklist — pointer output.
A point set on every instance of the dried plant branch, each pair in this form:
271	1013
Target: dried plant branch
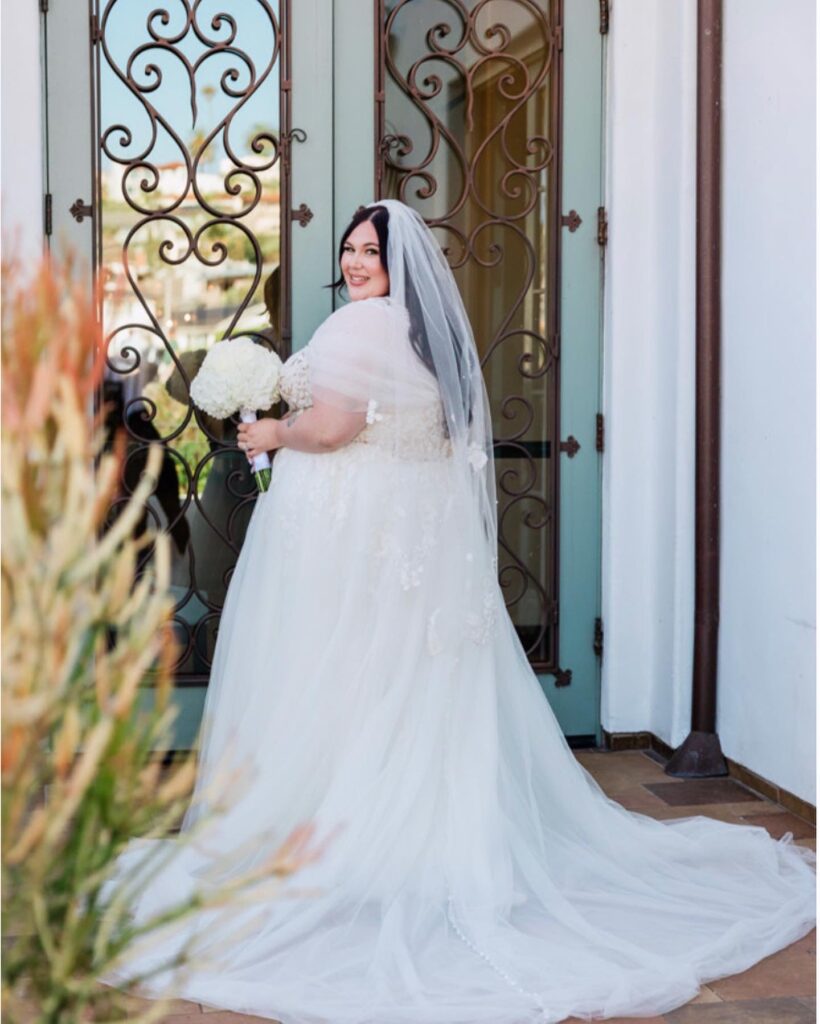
83	635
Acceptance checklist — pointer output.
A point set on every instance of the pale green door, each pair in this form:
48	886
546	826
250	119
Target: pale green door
498	146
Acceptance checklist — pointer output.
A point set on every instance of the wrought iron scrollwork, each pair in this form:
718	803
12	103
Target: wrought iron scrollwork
192	122
468	98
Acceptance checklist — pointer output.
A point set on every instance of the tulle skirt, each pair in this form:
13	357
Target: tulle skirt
368	679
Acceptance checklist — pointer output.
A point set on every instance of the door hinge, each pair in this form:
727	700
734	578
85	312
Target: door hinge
96	35
603	226
47	213
563	676
598	638
599	431
43	6
559	37
603	12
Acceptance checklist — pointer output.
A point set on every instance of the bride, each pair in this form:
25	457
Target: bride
368	679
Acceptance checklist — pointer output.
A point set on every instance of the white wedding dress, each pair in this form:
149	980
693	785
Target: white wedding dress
475	871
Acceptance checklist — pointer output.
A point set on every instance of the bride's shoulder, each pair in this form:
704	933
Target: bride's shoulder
370	316
361	327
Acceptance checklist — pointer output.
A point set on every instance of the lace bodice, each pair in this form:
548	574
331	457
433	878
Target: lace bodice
421	435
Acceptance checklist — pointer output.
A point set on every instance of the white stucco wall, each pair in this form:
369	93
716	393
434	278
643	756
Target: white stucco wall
766	693
647	575
766	717
21	164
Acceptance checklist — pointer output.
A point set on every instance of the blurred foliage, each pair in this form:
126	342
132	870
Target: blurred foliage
82	629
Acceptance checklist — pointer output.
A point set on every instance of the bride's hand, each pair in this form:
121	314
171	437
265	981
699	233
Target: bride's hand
259	437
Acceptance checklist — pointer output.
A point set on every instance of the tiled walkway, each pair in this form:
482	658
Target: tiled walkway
778	990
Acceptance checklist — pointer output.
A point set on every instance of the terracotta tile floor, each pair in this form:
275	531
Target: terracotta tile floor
778	990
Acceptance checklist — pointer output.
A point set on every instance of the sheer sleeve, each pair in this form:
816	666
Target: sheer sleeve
361	358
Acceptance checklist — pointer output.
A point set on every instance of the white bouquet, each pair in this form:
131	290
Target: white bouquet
239	376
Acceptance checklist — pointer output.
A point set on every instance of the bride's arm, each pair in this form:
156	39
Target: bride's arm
321	428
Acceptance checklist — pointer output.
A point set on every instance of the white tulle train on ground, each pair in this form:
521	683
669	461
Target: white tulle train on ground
476	872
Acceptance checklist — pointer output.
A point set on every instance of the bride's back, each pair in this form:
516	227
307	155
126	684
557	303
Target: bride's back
361	358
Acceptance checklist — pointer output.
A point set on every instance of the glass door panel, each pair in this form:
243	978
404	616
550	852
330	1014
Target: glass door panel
470	137
190	142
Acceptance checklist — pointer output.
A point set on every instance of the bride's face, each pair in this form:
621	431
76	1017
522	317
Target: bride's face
361	265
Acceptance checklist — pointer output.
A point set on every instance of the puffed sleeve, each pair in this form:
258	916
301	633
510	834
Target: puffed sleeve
361	358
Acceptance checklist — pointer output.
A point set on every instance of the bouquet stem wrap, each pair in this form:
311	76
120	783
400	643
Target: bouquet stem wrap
261	463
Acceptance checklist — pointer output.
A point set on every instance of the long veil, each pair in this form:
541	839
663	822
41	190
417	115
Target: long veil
422	281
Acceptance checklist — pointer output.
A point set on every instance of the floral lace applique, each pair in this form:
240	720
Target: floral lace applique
435	641
294	384
373	416
447	628
477	457
480	625
407	547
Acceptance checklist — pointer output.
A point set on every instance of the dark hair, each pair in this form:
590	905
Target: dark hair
379	217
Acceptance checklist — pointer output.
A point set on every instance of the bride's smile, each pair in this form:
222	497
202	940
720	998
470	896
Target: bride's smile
362	263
